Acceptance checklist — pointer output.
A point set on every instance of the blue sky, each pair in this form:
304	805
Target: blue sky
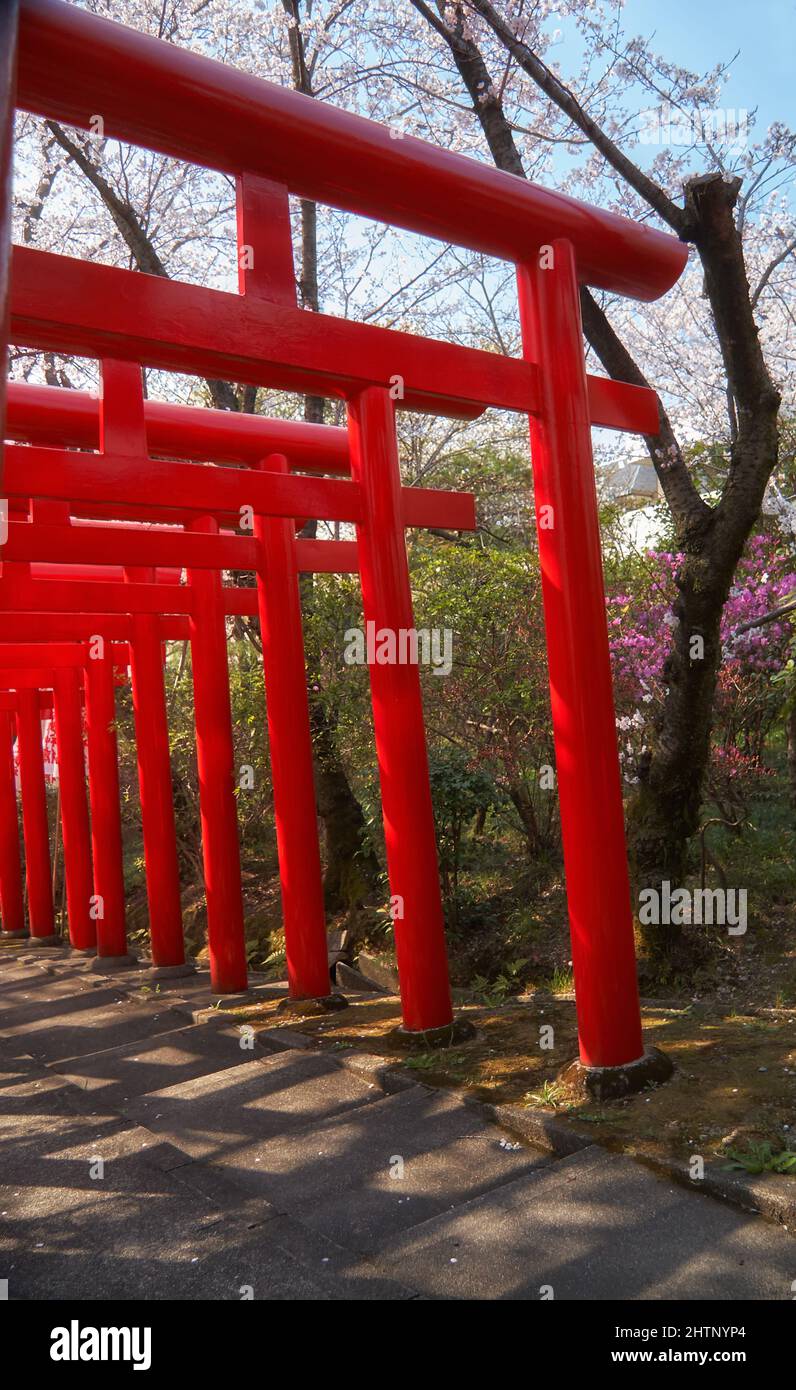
697	33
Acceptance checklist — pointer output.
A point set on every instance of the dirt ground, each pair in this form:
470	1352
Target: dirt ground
734	1080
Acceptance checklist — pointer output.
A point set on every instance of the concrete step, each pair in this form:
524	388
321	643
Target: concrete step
16	975
117	1075
363	1176
35	1007
144	1157
29	1096
27	991
84	1023
225	1112
134	1230
594	1226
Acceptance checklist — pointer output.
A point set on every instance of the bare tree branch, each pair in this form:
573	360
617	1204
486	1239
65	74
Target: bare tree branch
137	240
769	270
567	102
687	507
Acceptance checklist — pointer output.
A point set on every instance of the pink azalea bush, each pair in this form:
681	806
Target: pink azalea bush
640	621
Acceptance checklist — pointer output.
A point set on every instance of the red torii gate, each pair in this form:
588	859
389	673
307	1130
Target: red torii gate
31	669
41	628
21	712
276	142
276	556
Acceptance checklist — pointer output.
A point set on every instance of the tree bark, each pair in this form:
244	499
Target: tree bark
520	798
352	870
666	811
790	735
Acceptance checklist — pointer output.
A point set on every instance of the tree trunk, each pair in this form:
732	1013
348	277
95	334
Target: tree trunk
351	869
521	800
665	812
790	735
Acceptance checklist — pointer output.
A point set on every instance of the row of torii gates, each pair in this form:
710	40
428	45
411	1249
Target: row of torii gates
124	514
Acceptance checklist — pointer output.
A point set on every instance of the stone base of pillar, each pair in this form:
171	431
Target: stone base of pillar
611	1083
459	1031
166	972
103	965
13	935
52	940
310	1008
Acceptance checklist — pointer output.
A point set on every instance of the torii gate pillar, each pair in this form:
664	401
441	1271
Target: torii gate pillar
106	821
12	903
74	809
35	826
587	762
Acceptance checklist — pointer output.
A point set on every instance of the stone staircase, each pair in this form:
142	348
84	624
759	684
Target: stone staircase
145	1155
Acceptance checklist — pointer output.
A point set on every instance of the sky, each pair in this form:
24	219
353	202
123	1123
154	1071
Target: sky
697	33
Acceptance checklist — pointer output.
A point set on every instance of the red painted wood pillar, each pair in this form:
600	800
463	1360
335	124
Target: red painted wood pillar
398	719
587	762
35	826
123	433
154	783
12	902
75	826
290	741
215	758
106	820
9	11
266	271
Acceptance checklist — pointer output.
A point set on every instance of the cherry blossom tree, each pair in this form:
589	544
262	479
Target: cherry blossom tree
725	341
